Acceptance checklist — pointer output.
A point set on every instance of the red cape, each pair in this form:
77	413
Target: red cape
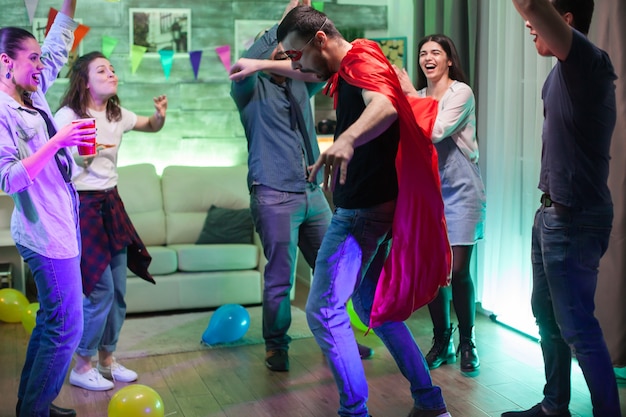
420	260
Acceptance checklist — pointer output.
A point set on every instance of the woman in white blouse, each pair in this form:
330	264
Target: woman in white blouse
454	134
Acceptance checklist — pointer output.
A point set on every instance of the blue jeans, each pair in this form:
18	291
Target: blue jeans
58	329
349	264
104	309
567	245
284	222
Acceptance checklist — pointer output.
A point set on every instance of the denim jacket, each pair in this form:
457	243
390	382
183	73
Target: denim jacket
45	218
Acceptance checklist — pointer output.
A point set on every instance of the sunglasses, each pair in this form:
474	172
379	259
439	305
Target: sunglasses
296	54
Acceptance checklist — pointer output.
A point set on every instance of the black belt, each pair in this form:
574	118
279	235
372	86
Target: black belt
546	201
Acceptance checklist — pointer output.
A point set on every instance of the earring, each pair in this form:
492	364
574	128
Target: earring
8	76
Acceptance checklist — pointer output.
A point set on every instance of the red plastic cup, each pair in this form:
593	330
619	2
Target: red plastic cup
87	150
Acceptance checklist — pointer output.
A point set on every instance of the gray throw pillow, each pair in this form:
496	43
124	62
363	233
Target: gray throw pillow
224	225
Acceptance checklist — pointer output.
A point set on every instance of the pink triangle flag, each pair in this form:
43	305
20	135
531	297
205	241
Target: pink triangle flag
224	53
195	57
31	6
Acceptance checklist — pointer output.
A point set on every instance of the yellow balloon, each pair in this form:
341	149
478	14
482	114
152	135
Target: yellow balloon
354	318
29	317
136	401
12	302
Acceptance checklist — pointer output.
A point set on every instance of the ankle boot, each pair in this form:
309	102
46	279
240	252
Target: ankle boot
469	354
442	351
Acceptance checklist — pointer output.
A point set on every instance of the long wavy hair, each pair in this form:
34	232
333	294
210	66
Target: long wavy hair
77	97
455	72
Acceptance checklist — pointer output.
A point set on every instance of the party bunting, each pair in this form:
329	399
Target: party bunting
136	56
79	33
108	45
224	53
167	60
318	5
195	57
31	6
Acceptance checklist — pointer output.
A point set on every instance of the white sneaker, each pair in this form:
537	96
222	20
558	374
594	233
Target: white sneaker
90	380
117	372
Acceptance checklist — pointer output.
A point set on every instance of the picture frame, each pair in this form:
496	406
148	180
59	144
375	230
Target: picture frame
394	49
160	29
39	31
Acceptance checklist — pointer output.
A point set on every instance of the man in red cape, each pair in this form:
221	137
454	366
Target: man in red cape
383	172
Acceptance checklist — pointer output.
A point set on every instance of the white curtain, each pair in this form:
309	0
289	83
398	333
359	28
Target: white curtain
510	75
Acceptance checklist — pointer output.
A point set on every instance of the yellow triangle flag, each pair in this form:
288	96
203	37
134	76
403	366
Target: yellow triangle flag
136	56
108	45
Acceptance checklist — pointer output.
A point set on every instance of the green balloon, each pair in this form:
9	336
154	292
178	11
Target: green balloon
354	318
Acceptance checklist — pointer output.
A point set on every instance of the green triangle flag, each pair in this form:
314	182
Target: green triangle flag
136	56
108	45
167	59
318	5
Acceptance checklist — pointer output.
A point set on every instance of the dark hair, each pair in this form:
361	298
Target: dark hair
455	72
76	96
306	22
12	39
582	10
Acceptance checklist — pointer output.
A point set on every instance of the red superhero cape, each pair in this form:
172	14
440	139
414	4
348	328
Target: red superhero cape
420	260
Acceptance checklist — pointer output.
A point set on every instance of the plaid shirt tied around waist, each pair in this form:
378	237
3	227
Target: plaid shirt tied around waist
106	229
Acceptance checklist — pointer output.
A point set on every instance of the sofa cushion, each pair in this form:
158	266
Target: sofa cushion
140	189
216	257
188	192
164	261
224	225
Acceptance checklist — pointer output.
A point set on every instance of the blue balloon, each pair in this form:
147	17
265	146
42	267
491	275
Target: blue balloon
229	323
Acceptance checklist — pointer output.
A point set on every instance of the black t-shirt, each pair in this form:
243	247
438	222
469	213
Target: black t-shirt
371	178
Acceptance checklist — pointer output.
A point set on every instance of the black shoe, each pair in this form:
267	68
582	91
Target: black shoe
536	411
364	351
416	412
54	411
277	360
469	355
61	412
442	351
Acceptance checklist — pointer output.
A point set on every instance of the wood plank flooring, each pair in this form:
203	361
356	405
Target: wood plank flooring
233	382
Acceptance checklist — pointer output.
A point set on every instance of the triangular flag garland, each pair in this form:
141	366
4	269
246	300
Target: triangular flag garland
167	60
31	6
195	57
136	56
224	54
108	45
318	5
79	33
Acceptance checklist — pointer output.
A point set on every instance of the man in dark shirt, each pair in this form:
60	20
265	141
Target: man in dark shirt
360	166
572	226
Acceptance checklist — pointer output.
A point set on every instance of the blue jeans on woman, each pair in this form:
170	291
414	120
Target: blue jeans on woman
57	331
348	265
567	245
284	222
104	309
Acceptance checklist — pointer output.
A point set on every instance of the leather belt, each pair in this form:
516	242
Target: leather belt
546	201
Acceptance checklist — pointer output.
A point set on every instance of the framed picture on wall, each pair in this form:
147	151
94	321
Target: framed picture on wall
161	29
394	49
39	30
246	31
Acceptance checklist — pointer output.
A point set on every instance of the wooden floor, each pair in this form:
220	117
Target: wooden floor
233	382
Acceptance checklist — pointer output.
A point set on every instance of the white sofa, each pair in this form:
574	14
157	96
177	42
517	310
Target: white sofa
169	213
